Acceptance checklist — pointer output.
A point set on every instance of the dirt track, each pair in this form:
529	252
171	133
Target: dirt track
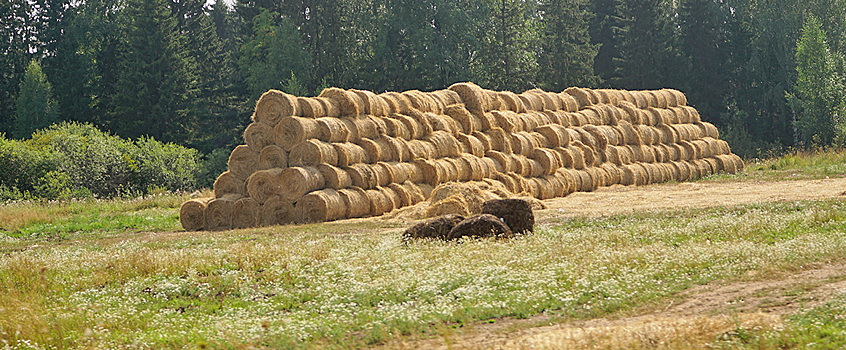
698	314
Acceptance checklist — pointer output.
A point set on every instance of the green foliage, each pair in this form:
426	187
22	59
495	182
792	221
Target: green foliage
819	99
507	59
71	160
35	107
566	56
273	54
211	166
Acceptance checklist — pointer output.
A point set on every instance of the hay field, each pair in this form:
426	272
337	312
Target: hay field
124	275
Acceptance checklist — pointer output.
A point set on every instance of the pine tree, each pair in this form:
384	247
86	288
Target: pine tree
644	38
272	54
602	27
156	80
566	57
34	106
16	34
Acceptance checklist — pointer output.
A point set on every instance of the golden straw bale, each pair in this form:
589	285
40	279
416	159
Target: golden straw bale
415	130
602	116
582	97
334	177
521	143
577	119
681	99
613	174
258	135
651	100
640	100
586	138
550	160
556	135
274	105
637	152
668	135
376	151
422	149
469	123
350	153
512	101
402	103
738	163
376	106
682	115
560	118
598	176
243	161
433	173
708	130
612	154
507	181
502	162
292	131
381	202
551	102
659	98
478	169
448	169
601	140
346	101
362	127
628	176
662	153
421	101
192	214
276	211
500	140
484	139
392	150
696	170
392	103
716	166
448	96
444	123
471	145
310	107
693	113
271	157
591	116
355	201
507	120
630	134
246	213
393	172
365	176
312	153
402	194
332	130
396	128
569	103
422	120
572	156
219	212
298	181
727	164
568	178
227	183
651	116
320	206
531	102
632	113
474	98
445	143
642	177
583	181
330	107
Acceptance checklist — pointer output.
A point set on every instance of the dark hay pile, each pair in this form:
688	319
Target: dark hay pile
438	227
482	225
517	213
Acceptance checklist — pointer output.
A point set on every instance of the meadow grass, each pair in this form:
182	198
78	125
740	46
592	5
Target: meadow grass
306	286
121	273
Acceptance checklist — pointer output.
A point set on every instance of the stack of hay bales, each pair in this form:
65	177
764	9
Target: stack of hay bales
352	153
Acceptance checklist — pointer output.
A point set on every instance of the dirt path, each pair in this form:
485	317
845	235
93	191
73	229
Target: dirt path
696	316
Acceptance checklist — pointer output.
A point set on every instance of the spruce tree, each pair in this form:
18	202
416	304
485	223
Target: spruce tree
156	80
34	106
272	53
566	56
645	43
16	34
507	57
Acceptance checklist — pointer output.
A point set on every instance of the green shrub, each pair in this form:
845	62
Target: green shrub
78	160
212	165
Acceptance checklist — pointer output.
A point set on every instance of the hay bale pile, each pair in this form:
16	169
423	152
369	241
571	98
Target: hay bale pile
352	153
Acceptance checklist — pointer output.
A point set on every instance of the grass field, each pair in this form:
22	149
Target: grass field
105	274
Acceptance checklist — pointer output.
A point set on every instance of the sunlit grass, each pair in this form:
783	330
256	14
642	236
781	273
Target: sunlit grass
306	286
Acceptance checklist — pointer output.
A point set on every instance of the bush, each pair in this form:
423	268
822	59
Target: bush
78	160
212	165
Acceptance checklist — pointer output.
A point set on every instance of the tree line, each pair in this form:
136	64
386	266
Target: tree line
768	73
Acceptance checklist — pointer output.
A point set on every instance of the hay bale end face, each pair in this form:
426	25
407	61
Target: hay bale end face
517	213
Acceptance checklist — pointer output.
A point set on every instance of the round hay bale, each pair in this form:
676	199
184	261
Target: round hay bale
355	201
739	166
601	139
684	171
558	185
478	170
227	183
474	98
630	134
598	114
580	95
484	139
350	153
274	105
319	206
243	161
415	129
276	211
402	194
586	138
448	168
360	128
469	123
630	113
503	163
556	135
507	120
480	226
662	154
640	100
550	161
376	151
332	130
695	170
653	173
402	103
422	101
516	213
681	114
271	157
627	175
299	181
443	123
258	135
708	130
689	151
246	213
471	145
330	107
705	167
346	101
500	140
653	116
614	174
448	96
399	148
728	163
396	128
192	214
434	228
694	114
310	108
522	143
659	98
586	182
422	149
445	143
641	174
380	202
432	173
531	101
507	181
568	179
416	193
541	188
568	102
334	177
648	154
551	101
612	154
292	131
422	119
588	154
219	212
673	153
572	156
312	153
512	101
668	134
374	105
598	176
